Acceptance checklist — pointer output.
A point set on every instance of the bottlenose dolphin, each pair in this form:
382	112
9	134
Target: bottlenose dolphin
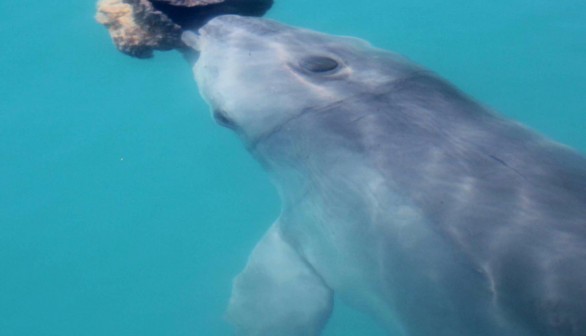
399	193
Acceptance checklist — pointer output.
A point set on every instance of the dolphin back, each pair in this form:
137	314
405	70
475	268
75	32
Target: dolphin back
512	202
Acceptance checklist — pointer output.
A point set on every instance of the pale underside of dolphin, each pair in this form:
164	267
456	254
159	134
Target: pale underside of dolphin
400	194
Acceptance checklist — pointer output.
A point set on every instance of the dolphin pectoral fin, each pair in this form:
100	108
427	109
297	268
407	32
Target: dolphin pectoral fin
278	293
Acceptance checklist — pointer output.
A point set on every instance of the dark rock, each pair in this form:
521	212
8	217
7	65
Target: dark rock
190	3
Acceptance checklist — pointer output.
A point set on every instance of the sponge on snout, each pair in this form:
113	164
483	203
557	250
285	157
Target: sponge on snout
138	27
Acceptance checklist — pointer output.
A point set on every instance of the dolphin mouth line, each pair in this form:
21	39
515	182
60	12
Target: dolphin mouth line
390	87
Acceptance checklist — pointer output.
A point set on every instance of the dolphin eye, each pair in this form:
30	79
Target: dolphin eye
319	64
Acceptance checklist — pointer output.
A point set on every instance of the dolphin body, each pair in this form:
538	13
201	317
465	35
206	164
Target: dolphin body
399	194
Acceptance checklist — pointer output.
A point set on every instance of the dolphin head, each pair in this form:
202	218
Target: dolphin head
258	74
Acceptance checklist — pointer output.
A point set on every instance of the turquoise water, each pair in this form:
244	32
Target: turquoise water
125	211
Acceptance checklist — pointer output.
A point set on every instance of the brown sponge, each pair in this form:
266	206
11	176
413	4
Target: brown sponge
138	27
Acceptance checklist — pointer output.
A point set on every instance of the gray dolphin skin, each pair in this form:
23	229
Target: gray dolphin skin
400	195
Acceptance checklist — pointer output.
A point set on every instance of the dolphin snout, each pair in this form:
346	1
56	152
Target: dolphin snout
191	39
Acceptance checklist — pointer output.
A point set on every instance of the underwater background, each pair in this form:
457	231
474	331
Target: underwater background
124	210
